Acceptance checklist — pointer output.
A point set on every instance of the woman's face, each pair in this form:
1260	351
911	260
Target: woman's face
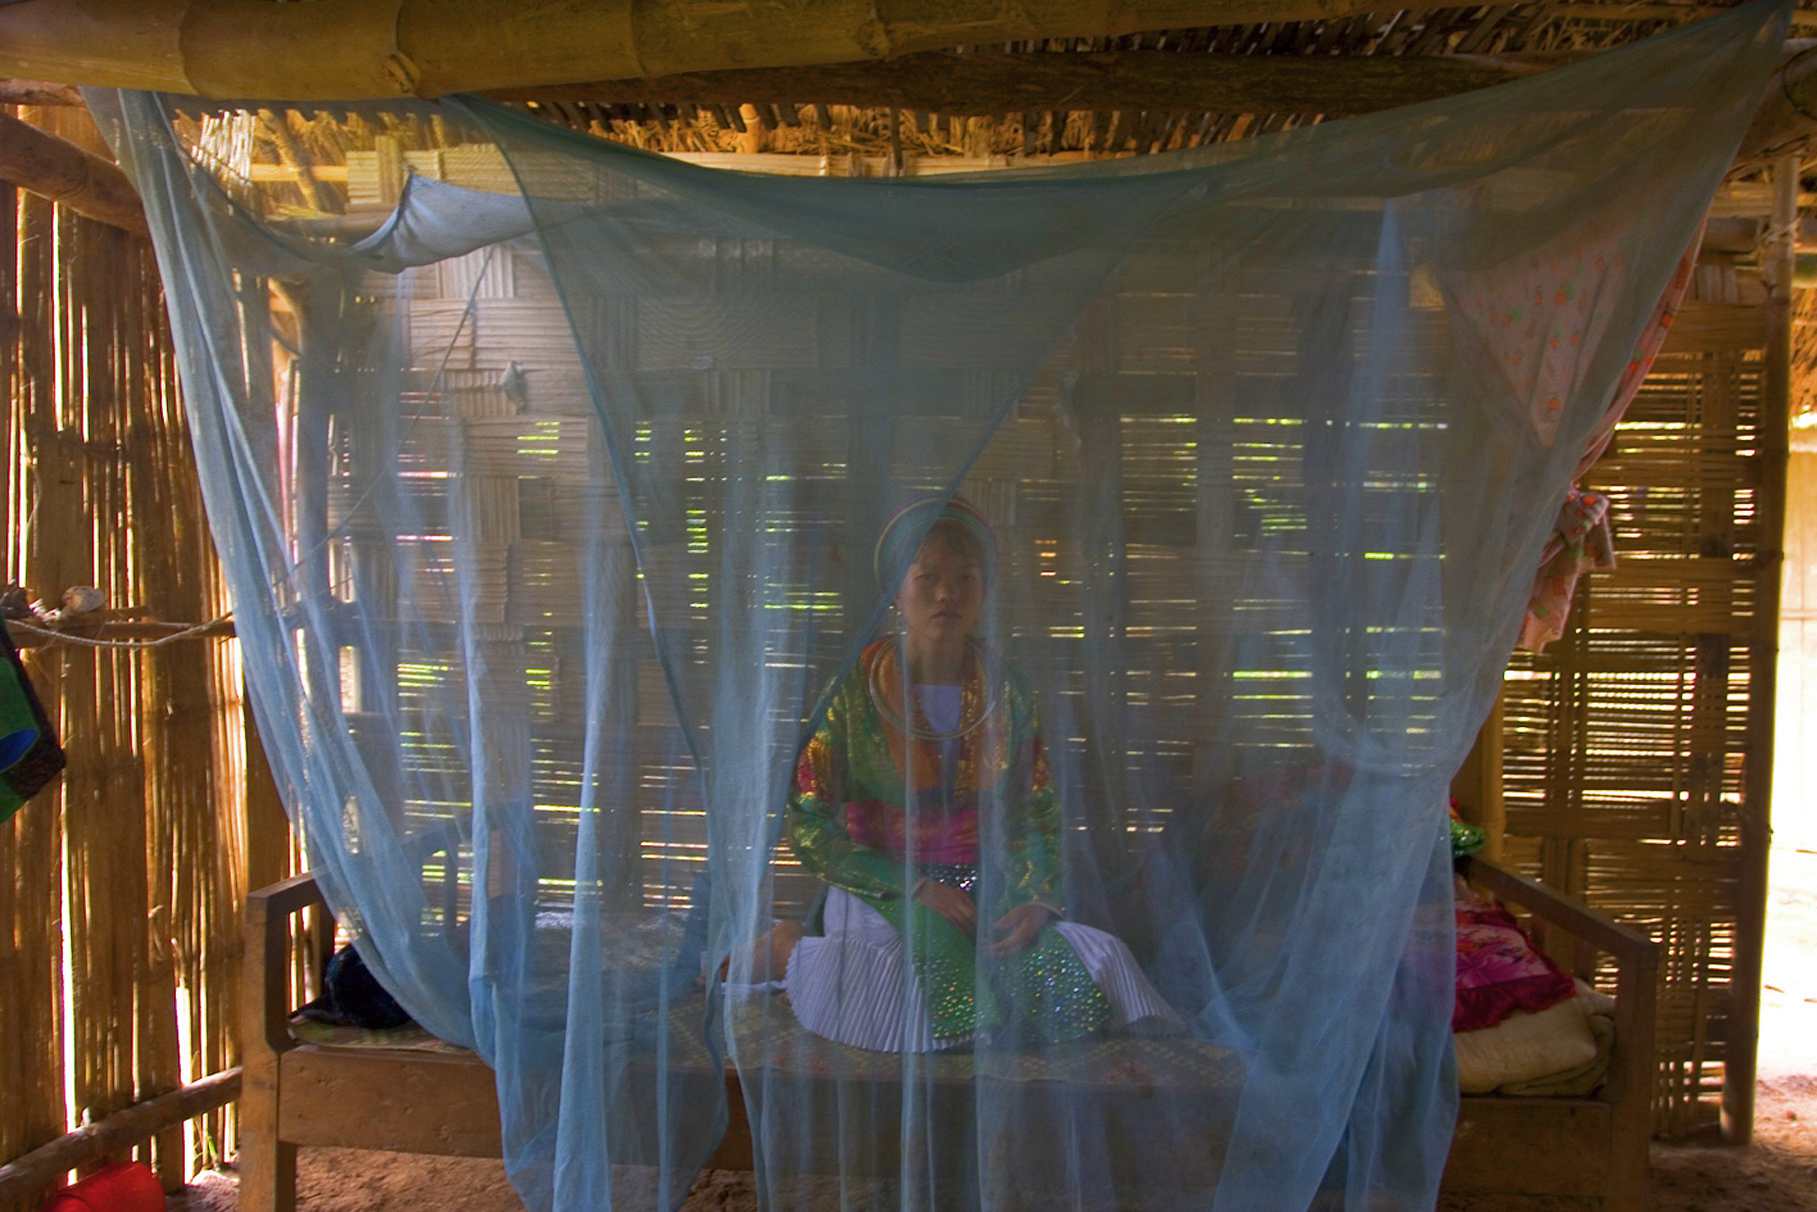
942	594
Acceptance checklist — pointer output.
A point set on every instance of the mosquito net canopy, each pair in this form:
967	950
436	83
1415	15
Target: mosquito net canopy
978	657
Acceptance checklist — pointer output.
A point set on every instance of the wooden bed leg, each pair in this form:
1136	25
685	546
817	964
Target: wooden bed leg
268	1164
1631	1082
268	1172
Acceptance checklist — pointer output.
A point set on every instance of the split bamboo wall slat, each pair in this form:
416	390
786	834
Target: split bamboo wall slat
121	888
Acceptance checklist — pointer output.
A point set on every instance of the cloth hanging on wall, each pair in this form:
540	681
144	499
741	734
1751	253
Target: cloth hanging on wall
1580	543
572	555
30	757
1582	540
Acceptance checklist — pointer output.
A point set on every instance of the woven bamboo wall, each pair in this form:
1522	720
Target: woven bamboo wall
1625	743
120	889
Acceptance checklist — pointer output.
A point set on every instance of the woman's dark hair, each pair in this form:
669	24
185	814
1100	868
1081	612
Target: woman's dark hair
961	540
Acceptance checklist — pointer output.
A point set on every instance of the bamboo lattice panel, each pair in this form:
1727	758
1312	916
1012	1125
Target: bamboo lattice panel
1625	743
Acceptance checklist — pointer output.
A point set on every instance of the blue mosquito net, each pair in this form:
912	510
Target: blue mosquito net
977	658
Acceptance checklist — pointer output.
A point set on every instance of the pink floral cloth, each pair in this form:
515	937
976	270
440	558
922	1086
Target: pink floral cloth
1581	543
1499	971
1540	324
1537	326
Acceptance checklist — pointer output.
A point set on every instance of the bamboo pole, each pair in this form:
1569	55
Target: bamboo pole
1740	1061
44	1166
31	1062
66	174
352	49
1477	786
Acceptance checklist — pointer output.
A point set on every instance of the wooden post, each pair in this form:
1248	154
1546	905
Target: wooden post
1478	785
1630	1078
268	1165
267	825
1741	1059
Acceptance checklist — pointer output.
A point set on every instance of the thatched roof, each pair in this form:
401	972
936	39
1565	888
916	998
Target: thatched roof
1079	96
1263	77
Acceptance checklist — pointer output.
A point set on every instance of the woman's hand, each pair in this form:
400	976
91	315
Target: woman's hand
951	903
1017	930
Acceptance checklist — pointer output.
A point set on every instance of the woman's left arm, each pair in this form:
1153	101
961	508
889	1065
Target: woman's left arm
1034	853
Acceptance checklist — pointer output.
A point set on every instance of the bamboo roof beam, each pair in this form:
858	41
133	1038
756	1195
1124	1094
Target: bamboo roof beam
57	169
361	49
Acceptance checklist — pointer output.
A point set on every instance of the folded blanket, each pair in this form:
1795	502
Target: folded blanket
1499	970
1579	1082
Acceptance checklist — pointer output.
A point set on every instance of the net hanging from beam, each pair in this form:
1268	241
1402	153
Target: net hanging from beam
1026	622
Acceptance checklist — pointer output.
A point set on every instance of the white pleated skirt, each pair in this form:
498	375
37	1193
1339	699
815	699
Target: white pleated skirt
856	983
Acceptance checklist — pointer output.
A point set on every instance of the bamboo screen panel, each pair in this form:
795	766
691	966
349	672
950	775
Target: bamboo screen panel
122	885
1625	741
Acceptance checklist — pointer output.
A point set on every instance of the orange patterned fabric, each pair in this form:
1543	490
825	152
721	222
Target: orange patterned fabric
983	752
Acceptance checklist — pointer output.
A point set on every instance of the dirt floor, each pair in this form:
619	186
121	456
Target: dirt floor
1778	1173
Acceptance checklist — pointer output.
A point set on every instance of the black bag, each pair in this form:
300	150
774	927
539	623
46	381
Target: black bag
353	997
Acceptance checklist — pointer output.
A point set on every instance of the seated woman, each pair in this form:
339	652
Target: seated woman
923	801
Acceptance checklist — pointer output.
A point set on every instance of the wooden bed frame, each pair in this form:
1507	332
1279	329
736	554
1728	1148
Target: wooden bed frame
1552	1153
